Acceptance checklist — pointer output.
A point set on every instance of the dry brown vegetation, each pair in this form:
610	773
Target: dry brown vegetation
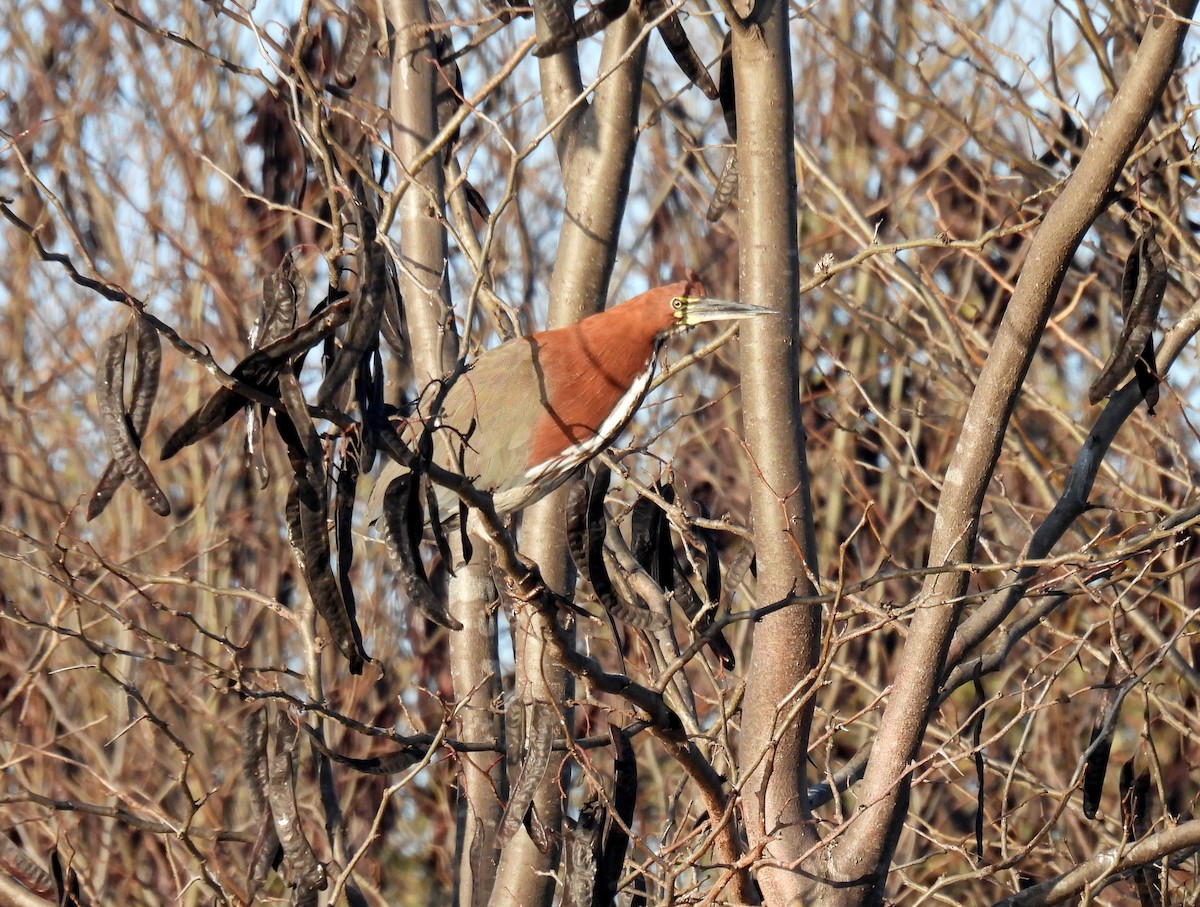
995	633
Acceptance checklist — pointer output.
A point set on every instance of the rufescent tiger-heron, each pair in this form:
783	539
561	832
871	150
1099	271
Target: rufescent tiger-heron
528	413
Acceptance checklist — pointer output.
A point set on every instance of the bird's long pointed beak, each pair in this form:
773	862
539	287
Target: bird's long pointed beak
709	309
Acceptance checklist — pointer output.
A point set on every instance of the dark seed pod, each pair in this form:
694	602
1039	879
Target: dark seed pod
254	757
307	513
616	839
343	526
403	554
66	884
283	291
362	333
323	588
305	870
1096	767
590	23
261	369
580	857
354	46
676	39
1142	287
728	92
559	23
117	429
147	365
587	525
539	744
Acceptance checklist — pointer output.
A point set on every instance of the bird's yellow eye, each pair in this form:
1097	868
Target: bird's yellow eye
678	303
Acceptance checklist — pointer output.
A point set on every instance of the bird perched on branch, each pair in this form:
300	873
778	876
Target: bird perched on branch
526	414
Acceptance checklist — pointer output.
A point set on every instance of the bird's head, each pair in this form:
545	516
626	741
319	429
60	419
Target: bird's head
685	304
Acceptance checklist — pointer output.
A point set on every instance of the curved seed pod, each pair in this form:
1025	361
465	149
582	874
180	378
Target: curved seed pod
1142	287
654	549
1145	369
438	529
372	404
362	333
272	357
283	290
254	757
307	512
22	867
676	39
728	93
1135	801
265	855
117	430
976	728
651	541
66	883
256	455
1095	770
1100	743
402	549
305	431
587	550
559	22
387	764
539	744
476	200
393	331
343	526
266	852
354	46
110	480
261	369
717	643
220	408
305	870
147	364
634	614
515	728
624	798
323	587
590	23
586	529
726	191
580	856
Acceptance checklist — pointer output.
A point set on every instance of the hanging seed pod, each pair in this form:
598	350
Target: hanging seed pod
539	745
261	369
580	855
726	191
590	23
305	870
559	23
402	545
307	519
354	47
587	525
362	332
676	39
147	365
624	799
1142	287
117	429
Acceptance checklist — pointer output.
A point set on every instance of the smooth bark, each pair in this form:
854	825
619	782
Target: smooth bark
776	715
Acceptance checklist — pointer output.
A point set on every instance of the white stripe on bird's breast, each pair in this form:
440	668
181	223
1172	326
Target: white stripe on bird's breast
606	432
